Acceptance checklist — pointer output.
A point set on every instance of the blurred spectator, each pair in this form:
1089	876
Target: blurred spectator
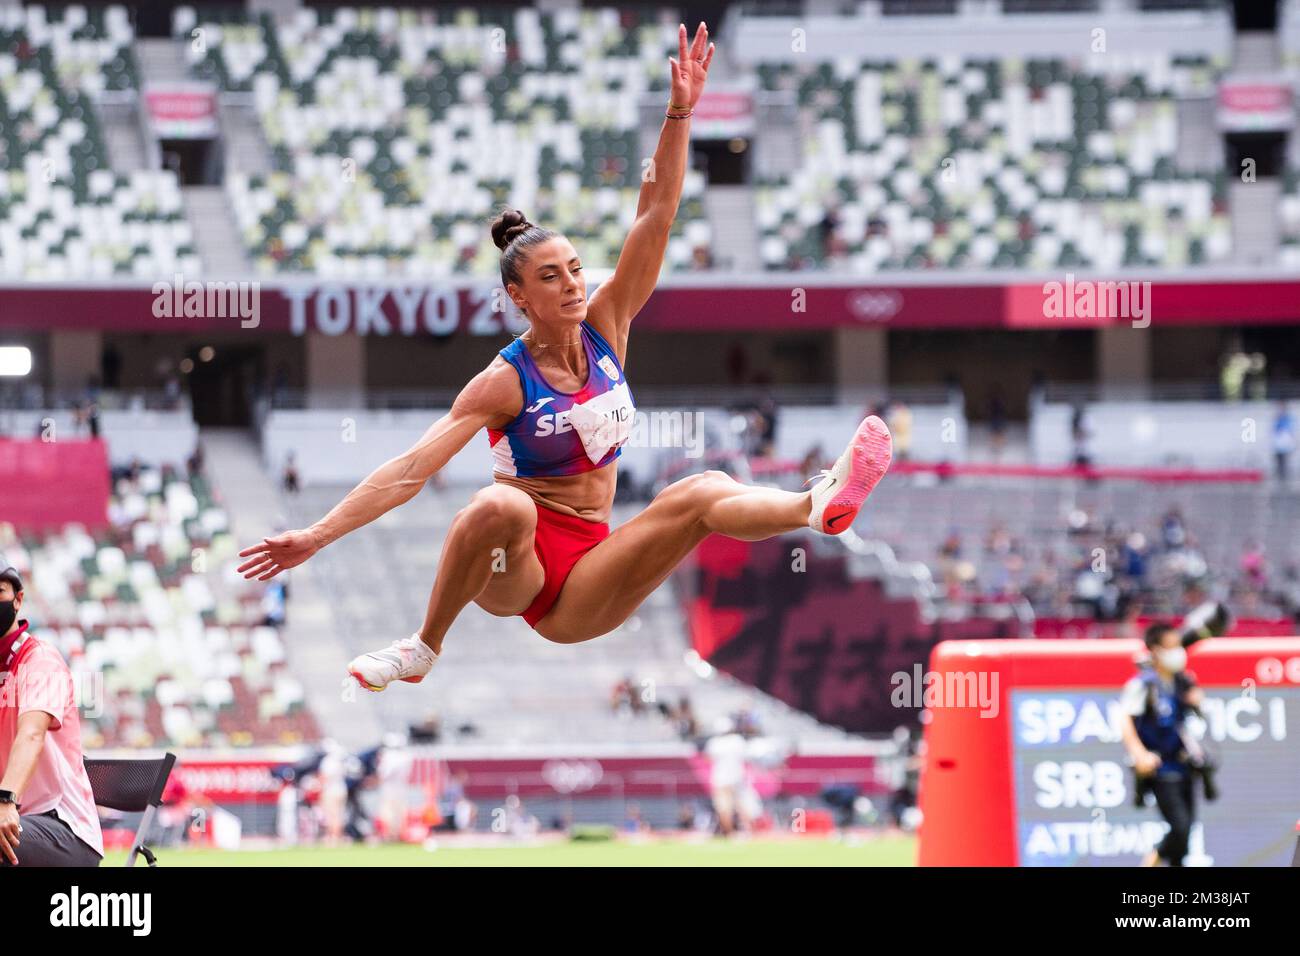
899	419
275	602
1252	566
393	770
458	810
1284	440
288	821
624	699
172	392
332	774
747	723
687	726
289	478
518	822
1232	374
726	752
832	246
1172	530
85	417
908	775
633	822
1081	436
1133	558
428	731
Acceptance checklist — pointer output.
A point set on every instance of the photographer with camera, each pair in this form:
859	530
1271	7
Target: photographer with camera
1167	761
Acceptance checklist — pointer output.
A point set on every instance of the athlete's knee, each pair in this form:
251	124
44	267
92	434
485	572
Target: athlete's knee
702	486
716	479
703	490
498	509
690	498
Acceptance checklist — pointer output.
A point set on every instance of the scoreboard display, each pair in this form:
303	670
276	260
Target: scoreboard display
1043	779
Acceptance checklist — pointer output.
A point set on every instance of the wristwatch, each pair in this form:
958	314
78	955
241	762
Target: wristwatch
8	796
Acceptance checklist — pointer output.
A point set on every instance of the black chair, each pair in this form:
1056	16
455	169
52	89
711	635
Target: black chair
132	786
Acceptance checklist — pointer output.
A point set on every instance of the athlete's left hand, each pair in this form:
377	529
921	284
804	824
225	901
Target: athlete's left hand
273	555
690	68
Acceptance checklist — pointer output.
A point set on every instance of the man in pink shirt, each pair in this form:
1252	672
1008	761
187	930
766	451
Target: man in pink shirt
47	810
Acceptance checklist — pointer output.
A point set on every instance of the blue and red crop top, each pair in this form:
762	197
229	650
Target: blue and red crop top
565	433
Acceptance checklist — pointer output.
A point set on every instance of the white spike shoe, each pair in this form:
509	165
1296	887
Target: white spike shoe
408	659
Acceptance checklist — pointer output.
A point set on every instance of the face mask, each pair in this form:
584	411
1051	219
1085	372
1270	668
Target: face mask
1173	658
7	614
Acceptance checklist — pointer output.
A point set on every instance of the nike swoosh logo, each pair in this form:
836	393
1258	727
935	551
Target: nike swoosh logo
831	523
538	404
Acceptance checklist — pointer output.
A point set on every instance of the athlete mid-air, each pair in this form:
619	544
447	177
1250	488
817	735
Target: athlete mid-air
557	410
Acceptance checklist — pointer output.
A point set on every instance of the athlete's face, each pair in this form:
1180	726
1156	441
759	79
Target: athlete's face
554	288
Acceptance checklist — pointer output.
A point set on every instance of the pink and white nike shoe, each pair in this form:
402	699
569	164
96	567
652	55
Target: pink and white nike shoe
408	659
837	498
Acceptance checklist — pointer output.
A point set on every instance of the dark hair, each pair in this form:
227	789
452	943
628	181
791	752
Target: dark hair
1155	632
11	575
513	233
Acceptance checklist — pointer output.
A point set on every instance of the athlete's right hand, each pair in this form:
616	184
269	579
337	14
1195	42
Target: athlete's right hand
1146	763
277	554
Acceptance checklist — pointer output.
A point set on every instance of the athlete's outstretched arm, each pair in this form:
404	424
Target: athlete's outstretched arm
620	297
491	397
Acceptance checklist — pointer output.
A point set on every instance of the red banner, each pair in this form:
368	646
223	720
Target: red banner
229	781
388	309
182	111
1254	105
253	780
48	484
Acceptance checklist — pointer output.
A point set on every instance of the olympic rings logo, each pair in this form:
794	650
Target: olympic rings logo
875	306
572	777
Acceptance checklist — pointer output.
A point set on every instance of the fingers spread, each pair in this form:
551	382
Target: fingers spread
681	43
257	568
260	559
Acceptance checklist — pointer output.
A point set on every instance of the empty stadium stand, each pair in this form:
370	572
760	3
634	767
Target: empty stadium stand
64	212
169	648
985	163
396	134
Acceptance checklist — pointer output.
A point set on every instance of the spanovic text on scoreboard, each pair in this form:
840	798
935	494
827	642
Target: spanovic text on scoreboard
1073	784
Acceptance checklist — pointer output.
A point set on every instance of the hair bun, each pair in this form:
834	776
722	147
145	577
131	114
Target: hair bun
508	226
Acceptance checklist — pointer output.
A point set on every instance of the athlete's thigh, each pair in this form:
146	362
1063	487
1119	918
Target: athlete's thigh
611	580
517	575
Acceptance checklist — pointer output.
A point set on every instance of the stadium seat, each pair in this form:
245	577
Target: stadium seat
984	164
397	134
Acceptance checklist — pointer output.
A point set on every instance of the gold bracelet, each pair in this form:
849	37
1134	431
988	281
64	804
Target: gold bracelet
674	106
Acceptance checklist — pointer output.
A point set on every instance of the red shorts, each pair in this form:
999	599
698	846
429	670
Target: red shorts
560	540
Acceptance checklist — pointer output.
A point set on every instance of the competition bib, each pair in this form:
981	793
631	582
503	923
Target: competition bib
605	422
